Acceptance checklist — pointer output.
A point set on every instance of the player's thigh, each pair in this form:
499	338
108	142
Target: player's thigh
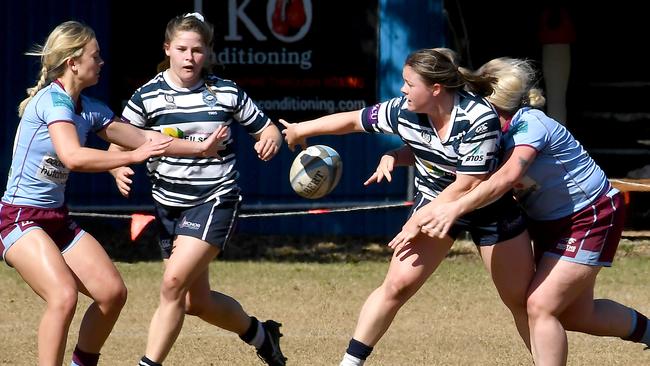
511	266
415	262
557	284
96	274
39	262
190	258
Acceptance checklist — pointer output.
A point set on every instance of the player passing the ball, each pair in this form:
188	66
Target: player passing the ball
454	135
197	199
38	238
575	218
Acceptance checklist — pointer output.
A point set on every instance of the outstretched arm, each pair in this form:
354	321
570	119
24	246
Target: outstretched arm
79	158
333	124
130	137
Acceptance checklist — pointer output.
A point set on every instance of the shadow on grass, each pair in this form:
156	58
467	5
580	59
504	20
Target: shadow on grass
115	238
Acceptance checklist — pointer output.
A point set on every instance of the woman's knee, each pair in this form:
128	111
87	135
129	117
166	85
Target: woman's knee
64	300
399	288
538	306
172	288
118	295
112	296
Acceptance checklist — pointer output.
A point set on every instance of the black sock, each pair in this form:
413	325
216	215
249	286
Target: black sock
358	349
639	328
251	331
147	362
83	358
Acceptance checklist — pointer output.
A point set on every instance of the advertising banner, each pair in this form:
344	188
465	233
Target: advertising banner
298	59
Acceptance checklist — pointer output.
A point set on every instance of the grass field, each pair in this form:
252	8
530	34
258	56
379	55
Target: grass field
455	319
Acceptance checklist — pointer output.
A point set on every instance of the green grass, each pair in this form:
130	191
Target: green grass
455	319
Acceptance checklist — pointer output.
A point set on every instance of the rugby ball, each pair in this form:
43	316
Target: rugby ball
315	171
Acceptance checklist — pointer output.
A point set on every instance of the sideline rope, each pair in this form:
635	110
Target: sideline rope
140	221
314	211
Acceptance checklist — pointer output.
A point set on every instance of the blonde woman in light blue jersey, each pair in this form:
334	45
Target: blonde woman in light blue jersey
54	256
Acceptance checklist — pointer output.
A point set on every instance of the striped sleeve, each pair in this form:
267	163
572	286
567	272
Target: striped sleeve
134	111
248	114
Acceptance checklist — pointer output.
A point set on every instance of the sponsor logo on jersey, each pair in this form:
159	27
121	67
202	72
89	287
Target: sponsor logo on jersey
188	224
521	127
474	158
373	115
169	102
173	132
51	169
208	98
482	128
62	100
426	136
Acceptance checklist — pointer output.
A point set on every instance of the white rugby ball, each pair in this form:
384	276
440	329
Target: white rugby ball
316	171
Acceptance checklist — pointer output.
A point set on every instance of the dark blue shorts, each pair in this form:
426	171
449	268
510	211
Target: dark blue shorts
495	223
212	222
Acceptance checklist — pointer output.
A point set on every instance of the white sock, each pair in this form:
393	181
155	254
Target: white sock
258	340
349	360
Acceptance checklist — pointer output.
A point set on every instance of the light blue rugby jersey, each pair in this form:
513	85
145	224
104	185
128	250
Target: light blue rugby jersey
193	113
37	177
471	146
563	178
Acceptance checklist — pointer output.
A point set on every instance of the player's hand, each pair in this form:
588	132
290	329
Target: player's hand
384	170
149	149
266	149
437	220
123	180
291	135
211	146
409	231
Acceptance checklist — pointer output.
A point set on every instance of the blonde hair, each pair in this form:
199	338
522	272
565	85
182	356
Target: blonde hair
515	84
191	23
66	41
440	66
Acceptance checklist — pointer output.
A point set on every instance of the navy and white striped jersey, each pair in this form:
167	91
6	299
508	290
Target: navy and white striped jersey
193	114
471	147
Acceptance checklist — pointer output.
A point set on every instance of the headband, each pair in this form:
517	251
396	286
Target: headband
195	15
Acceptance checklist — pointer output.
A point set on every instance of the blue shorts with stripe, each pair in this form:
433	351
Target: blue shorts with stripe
212	222
489	225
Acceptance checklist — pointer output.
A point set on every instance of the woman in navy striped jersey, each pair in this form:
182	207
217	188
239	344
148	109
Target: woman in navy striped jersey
454	136
197	199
